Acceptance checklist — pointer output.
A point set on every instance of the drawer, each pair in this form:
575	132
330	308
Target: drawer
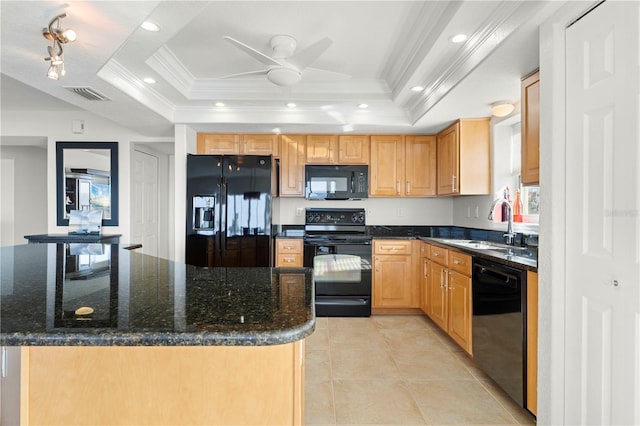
460	262
289	260
391	246
288	245
425	250
440	255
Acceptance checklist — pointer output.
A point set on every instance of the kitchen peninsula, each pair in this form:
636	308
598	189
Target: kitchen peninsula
104	335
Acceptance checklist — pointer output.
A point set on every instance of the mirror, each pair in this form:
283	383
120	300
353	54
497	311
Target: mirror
87	179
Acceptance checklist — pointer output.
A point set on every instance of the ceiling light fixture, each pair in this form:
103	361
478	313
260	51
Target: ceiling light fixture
458	38
219	104
150	26
363	106
58	36
291	105
417	88
148	80
502	108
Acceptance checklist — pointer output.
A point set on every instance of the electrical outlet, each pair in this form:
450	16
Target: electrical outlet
400	212
477	212
299	211
468	212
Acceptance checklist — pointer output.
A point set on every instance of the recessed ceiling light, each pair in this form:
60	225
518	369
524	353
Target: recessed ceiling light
363	106
417	88
458	38
148	80
150	26
291	105
219	104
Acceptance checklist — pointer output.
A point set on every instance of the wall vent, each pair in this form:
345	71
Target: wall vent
88	93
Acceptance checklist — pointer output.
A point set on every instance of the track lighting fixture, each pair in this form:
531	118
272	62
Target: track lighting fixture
58	36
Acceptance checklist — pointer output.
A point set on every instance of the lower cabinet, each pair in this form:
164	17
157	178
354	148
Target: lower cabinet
532	342
289	252
447	286
394	285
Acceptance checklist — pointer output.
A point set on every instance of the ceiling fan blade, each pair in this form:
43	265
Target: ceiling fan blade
245	74
306	56
317	74
267	60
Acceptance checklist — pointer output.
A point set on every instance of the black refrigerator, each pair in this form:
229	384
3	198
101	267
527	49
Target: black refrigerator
228	210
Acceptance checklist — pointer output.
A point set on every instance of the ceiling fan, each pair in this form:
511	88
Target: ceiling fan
284	67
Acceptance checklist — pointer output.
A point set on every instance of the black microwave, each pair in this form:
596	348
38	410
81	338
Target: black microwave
332	182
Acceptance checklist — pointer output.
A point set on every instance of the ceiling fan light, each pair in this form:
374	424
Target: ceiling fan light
52	72
501	108
283	76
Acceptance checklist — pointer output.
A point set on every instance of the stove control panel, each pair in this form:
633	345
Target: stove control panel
334	216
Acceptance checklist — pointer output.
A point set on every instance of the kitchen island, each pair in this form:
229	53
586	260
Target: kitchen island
103	335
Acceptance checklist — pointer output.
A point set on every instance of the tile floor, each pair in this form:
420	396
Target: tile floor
397	370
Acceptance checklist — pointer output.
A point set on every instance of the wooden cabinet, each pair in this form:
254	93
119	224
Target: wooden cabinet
292	160
393	279
289	252
449	293
341	149
403	166
530	136
423	277
532	342
353	149
237	144
321	149
386	172
463	158
420	162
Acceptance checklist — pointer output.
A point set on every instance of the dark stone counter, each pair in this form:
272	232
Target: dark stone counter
74	238
140	300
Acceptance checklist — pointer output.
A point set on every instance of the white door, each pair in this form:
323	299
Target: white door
144	229
602	352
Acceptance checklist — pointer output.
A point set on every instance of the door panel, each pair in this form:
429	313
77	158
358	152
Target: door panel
144	228
602	352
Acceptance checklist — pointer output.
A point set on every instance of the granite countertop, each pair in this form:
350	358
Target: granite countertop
140	300
526	259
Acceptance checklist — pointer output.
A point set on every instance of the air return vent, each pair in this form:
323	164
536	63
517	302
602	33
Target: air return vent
88	93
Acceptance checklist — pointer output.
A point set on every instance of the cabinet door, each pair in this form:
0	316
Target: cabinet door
392	281
386	174
530	142
438	294
292	153
353	149
420	160
218	144
448	161
424	285
260	144
459	300
321	149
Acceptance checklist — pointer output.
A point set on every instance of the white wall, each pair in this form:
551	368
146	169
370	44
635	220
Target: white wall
380	211
24	193
56	126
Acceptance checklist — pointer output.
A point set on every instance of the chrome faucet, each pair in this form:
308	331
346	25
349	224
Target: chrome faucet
510	235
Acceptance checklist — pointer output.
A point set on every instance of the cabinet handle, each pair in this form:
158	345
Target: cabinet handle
408	187
456	262
425	270
453	183
398	187
446	282
436	254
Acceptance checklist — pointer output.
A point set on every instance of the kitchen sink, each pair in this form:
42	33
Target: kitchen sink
510	252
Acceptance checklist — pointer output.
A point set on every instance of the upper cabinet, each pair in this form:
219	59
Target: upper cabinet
386	172
530	152
237	144
463	158
420	165
403	166
292	158
353	149
321	149
342	149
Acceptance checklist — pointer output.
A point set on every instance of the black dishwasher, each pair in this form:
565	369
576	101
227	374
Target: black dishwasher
499	321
